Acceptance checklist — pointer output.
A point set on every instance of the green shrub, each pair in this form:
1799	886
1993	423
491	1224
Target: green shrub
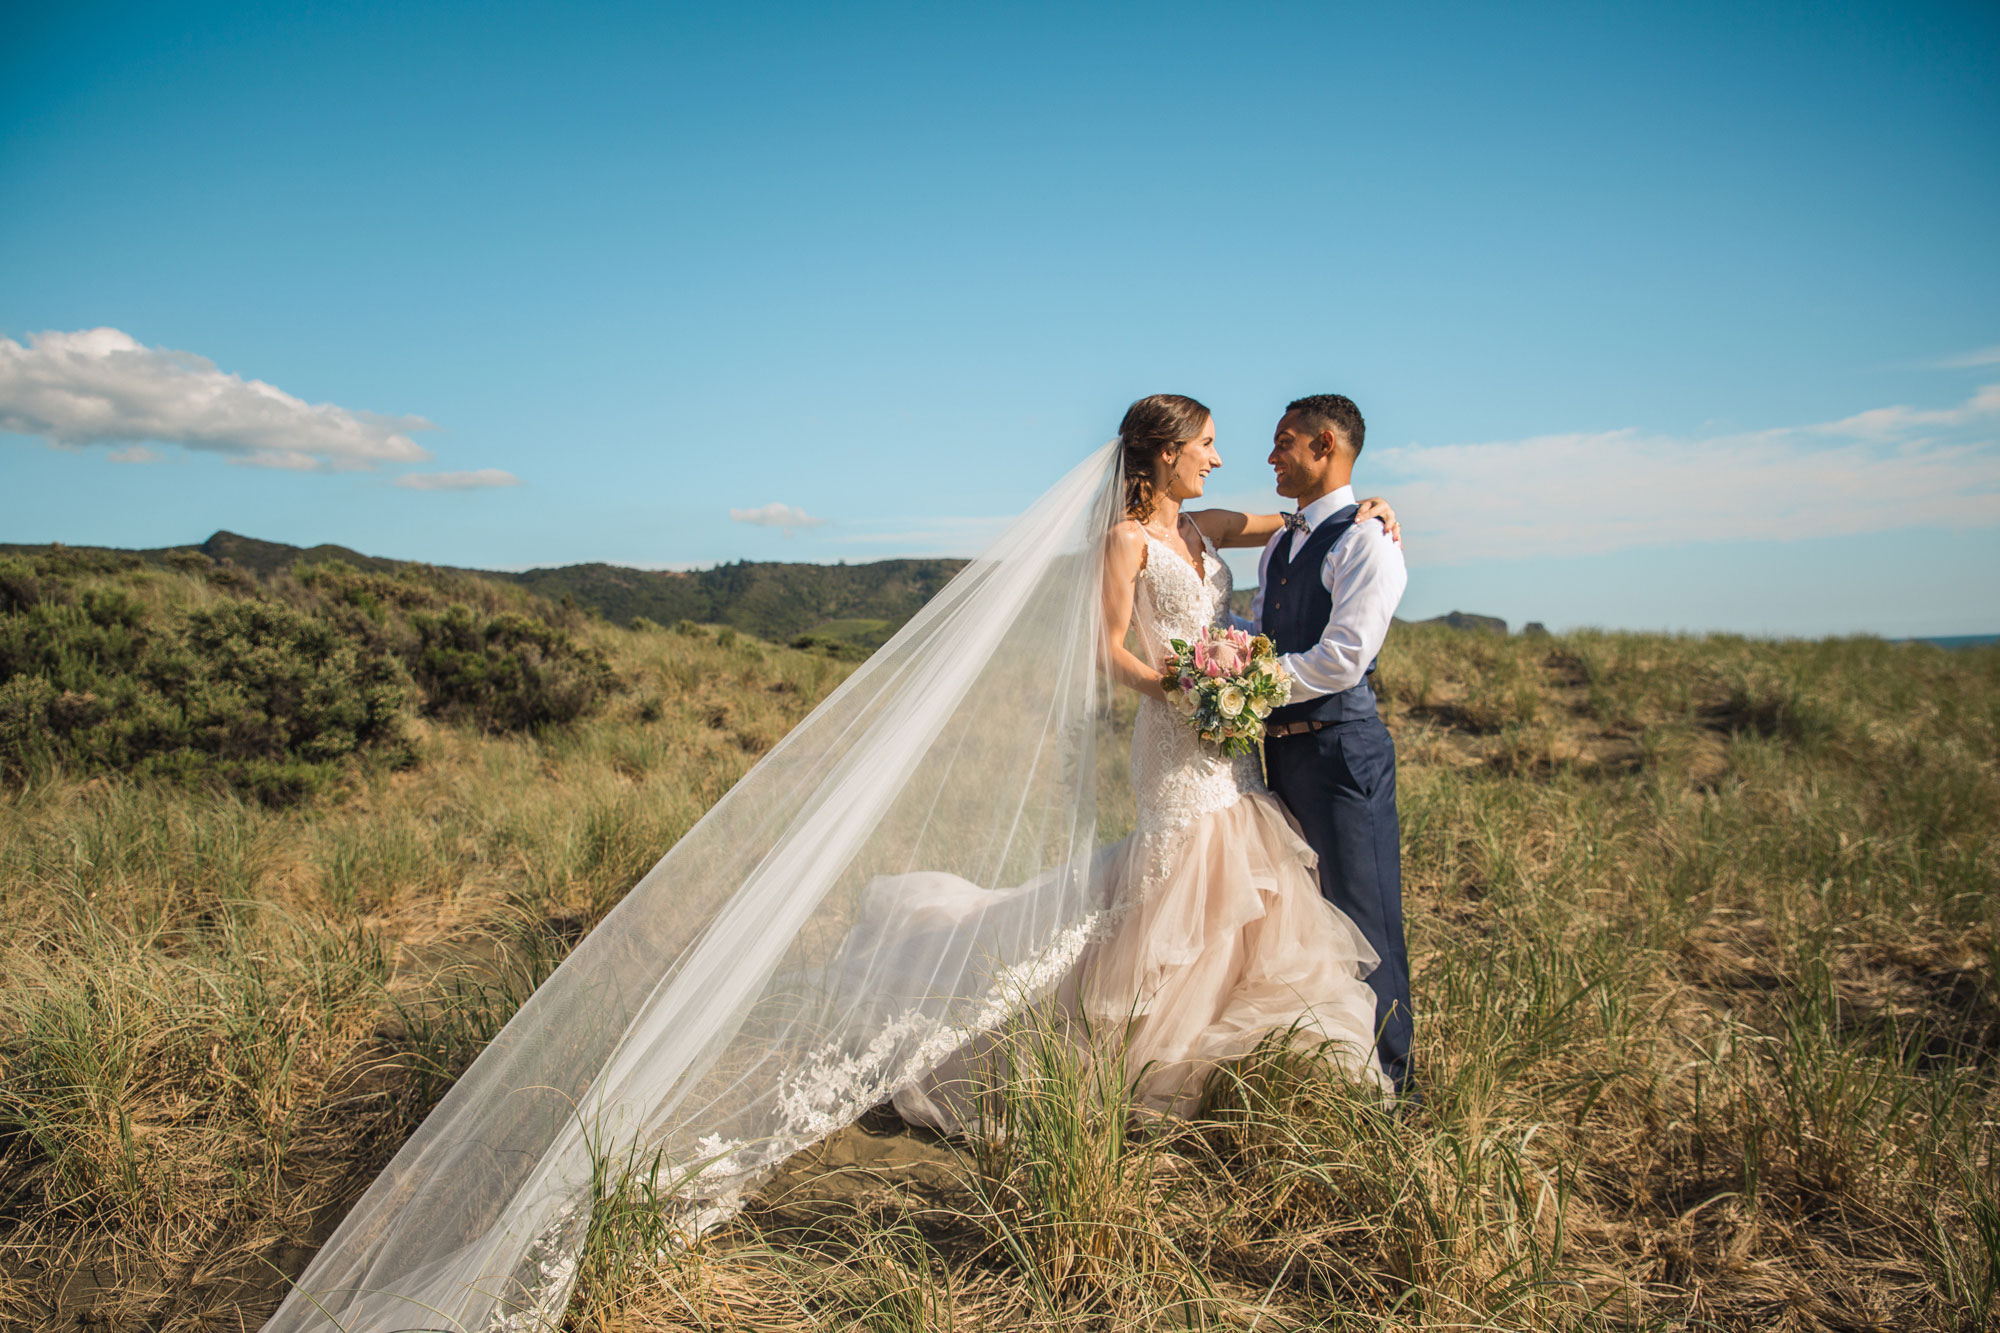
23	586
202	673
506	672
840	650
250	694
271	682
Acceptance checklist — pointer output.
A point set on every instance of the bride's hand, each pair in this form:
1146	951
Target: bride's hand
1376	507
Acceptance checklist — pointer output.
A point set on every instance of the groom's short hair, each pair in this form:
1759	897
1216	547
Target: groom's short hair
1334	411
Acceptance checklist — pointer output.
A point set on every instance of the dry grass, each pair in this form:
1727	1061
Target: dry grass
219	1019
1704	936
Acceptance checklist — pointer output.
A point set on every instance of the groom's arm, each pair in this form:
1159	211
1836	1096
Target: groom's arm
1365	573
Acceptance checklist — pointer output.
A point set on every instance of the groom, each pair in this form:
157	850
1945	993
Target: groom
1326	590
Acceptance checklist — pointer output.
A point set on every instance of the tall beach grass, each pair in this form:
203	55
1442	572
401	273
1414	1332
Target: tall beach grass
1704	941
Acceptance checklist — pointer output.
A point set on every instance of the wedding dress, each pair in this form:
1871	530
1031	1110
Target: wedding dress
916	858
1216	933
1227	937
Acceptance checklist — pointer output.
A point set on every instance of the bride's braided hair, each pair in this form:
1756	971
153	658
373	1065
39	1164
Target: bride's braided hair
1154	429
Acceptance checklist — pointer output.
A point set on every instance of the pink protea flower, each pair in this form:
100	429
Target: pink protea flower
1227	654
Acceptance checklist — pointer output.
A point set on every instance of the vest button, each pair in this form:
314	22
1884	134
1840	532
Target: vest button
1283	581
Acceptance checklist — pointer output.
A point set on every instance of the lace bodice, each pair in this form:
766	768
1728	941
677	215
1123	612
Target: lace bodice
1176	776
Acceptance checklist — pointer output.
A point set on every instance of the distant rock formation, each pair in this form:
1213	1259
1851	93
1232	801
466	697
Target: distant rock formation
1535	629
1465	620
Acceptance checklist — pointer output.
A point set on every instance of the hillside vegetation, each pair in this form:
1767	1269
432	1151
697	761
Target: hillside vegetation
860	605
1704	937
268	687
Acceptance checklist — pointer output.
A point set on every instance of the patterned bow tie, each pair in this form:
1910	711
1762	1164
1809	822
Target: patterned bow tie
1296	522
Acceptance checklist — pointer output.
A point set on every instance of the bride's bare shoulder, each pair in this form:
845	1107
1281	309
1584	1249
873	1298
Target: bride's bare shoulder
1125	544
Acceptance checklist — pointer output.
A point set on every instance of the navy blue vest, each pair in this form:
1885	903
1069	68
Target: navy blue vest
1296	609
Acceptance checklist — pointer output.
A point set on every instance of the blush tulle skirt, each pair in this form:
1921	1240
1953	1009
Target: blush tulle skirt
1218	938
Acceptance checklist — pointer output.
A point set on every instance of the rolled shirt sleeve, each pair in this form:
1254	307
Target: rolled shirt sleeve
1365	573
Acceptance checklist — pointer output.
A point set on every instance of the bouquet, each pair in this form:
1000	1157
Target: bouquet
1225	683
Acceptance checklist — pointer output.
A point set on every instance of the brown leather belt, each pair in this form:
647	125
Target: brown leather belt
1296	728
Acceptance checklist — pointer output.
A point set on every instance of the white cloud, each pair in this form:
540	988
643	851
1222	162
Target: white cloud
1985	356
1586	494
135	453
457	481
775	515
100	386
1883	423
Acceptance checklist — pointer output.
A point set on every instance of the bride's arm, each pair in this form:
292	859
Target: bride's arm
1376	507
1226	527
1124	553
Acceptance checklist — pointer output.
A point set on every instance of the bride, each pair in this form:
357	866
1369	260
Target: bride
825	938
1230	938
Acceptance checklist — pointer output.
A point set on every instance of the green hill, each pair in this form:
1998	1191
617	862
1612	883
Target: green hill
860	604
863	604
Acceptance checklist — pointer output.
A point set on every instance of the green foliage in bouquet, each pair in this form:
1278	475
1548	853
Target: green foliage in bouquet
1225	684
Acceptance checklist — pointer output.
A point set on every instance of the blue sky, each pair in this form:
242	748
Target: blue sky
1679	319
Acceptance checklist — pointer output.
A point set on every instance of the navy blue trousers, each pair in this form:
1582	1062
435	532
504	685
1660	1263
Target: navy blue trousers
1340	784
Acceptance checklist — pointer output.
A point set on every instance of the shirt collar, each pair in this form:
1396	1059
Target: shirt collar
1331	503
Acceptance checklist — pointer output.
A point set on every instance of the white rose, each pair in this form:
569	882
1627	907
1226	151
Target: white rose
1261	707
1186	702
1230	701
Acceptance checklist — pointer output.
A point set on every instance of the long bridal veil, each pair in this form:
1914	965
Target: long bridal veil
910	861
